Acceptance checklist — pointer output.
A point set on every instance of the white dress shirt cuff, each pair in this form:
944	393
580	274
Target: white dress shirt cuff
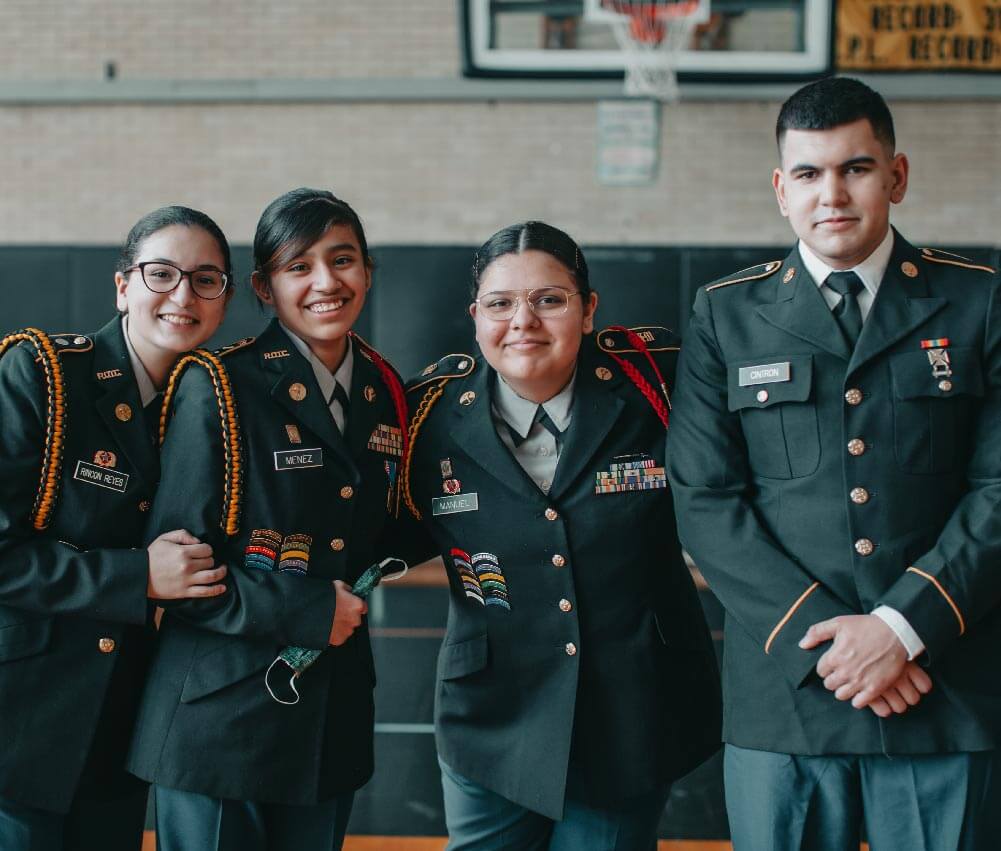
902	629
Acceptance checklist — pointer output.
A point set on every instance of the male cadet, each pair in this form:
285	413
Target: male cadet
835	457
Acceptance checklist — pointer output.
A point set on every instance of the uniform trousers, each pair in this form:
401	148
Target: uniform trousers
927	802
115	824
481	820
188	821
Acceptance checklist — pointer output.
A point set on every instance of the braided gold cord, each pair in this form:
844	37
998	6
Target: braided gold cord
55	421
423	410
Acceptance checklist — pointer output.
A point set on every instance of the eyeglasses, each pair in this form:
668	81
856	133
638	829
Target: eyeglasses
160	277
545	302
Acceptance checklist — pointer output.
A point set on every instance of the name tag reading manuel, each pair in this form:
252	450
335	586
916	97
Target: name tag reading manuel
766	373
454	504
298	459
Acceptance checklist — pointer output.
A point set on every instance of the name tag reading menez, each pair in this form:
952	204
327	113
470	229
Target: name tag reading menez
297	459
454	504
766	373
104	478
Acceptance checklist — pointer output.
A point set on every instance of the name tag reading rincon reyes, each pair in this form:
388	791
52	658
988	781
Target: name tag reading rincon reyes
298	459
100	476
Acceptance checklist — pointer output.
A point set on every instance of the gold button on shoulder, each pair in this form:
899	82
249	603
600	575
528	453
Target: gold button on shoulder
945	385
864	547
467	398
853	396
565	605
860	496
337	544
123	412
297	391
761	396
461	365
603	373
106	645
571	649
347	492
856	446
551	514
558	560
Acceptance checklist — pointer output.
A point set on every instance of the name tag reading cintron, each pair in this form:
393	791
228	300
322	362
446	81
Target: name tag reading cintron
100	476
297	459
454	504
766	373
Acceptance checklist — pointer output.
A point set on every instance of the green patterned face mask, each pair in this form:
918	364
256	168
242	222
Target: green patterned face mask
298	659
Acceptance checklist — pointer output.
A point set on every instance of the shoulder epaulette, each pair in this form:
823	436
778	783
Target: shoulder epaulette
751	273
229	423
936	255
234	347
434	376
633	341
55	418
656	337
68	344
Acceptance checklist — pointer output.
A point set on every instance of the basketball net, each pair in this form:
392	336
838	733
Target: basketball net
651	36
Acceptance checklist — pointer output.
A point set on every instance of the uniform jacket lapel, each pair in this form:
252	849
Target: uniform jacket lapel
902	304
111	357
800	310
363	416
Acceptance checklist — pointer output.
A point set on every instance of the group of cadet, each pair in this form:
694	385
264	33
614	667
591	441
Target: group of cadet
182	533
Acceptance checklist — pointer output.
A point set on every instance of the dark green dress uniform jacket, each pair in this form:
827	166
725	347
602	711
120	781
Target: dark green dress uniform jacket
73	609
585	645
862	479
207	723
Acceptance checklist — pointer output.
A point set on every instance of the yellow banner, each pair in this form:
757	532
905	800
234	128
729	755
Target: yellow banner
896	35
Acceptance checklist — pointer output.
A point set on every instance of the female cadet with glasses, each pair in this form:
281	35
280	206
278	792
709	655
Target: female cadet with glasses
79	471
282	453
577	679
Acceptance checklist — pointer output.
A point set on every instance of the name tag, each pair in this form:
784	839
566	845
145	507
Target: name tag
454	504
298	459
766	373
103	478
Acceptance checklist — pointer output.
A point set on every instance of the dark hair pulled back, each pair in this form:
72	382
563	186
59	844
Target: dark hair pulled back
532	236
166	217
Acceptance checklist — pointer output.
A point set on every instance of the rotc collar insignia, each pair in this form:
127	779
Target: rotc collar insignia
909	269
386	439
369	393
637	472
123	412
451	486
92	474
482	578
277	353
293	433
603	373
789	275
766	373
109	373
298	459
104	458
467	398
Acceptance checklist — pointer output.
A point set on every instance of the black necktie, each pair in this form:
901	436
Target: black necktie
340	394
847	313
543	419
151	413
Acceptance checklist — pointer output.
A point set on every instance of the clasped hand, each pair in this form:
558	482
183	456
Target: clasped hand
867	664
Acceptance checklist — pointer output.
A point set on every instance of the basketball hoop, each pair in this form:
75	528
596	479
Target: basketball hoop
651	35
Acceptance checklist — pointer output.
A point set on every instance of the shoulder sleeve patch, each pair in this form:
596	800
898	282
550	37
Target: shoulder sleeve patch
936	255
71	343
450	366
234	347
656	337
752	273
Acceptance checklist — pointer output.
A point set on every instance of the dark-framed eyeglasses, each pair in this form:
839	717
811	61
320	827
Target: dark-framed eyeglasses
545	302
161	277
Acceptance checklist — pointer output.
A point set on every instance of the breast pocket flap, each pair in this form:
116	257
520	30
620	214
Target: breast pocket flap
18	640
913	377
463	658
234	661
770	381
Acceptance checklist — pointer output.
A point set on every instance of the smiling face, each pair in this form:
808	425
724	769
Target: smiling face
319	293
163	325
535	356
836	187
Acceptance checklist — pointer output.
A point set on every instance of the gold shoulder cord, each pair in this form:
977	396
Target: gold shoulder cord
229	422
432	395
55	420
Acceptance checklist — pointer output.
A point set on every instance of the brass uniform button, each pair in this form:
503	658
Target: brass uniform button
603	373
461	365
571	649
860	496
854	396
337	544
558	560
297	391
864	547
467	398
945	385
856	446
123	412
565	605
761	396
347	492
551	514
144	506
79	341
106	645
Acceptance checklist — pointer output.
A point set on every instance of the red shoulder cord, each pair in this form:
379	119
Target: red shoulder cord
395	388
661	402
